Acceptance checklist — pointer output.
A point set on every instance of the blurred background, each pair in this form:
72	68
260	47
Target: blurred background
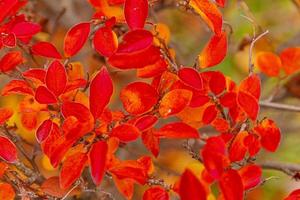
189	34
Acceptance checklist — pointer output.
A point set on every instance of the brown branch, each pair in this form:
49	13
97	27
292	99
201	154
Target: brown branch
279	106
290	169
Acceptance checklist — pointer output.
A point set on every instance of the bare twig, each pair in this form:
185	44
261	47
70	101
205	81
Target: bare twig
290	169
279	106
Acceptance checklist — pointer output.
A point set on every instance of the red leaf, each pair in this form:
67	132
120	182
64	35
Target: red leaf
17	87
101	90
221	2
10	61
72	169
177	130
190	187
215	51
249	104
295	195
97	158
125	132
56	78
174	101
269	63
8	150
191	77
105	41
269	133
44	130
9	40
210	14
45	49
210	113
38	74
125	186
51	187
145	122
76	38
5	114
156	193
5	7
238	148
290	59
151	142
138	97
26	29
44	96
251	85
6	192
77	110
231	185
217	83
136	12
251	176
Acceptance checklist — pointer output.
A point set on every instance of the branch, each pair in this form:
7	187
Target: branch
279	106
290	169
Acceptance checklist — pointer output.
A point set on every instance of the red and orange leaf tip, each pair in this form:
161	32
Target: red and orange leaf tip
7	192
51	187
44	130
217	83
8	150
101	90
251	85
44	96
221	2
56	78
151	141
97	158
125	186
238	148
251	176
210	114
191	188
77	110
146	122
72	169
9	40
156	193
45	49
138	97
191	77
214	52
105	41
177	130
125	132
76	38
209	13
268	63
10	61
174	101
17	87
249	104
290	59
231	185
270	134
136	12
5	114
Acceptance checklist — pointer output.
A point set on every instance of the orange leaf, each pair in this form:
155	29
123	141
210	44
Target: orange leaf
249	104
125	132
5	114
156	193
10	61
97	157
71	169
56	78
290	59
138	97
76	38
101	90
136	12
174	101
210	14
269	63
45	49
125	186
6	192
151	142
251	85
17	87
190	187
238	148
177	130
215	51
8	150
105	41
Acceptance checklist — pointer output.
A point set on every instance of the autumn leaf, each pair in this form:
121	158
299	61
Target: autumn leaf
8	150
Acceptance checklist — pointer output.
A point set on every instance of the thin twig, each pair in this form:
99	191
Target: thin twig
290	169
279	106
